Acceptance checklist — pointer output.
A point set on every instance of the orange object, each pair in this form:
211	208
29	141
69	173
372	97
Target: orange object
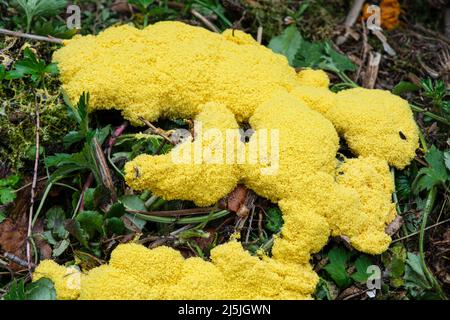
390	12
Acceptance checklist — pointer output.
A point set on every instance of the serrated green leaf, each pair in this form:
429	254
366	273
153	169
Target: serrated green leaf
287	43
337	266
321	55
361	265
91	222
435	174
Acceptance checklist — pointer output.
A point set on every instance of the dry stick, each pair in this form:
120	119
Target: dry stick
350	20
30	36
372	70
18	260
417	232
33	188
259	35
29	184
205	21
105	174
157	131
365	50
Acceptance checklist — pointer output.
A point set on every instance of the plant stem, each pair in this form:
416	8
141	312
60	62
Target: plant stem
346	79
430	114
428	207
189	220
41	204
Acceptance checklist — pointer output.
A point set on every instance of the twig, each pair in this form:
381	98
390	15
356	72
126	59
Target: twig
29	184
156	130
18	260
259	35
417	232
30	36
372	70
33	188
105	174
205	21
350	20
433	33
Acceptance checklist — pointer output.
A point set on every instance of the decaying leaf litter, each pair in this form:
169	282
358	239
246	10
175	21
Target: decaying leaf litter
426	93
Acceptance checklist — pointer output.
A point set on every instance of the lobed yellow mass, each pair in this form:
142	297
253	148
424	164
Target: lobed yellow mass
171	69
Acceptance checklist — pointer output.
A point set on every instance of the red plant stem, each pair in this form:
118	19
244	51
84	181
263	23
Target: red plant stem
86	186
116	133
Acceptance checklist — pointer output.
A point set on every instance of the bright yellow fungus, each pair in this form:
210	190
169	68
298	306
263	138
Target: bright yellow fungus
171	69
66	280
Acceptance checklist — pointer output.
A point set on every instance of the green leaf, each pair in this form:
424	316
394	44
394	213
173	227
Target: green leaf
60	247
402	186
287	43
339	62
2	216
52	69
133	202
89	199
416	281
435	174
115	226
361	265
404	86
11	181
274	219
2	72
44	8
91	222
447	159
336	268
55	160
74	228
55	222
7	195
43	289
115	211
72	137
16	291
321	55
